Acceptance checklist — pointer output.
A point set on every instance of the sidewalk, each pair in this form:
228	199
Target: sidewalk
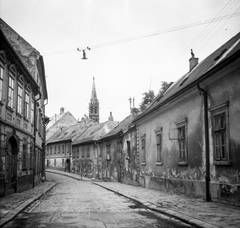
190	210
12	205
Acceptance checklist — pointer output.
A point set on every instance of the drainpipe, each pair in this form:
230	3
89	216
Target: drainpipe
34	136
207	177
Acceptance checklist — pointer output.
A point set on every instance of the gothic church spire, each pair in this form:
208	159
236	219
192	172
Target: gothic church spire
94	105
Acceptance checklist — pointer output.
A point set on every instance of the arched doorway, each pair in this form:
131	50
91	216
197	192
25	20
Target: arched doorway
11	164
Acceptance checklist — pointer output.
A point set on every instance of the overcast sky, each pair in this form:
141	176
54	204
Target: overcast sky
135	44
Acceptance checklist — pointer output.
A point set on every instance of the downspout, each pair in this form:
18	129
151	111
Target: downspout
44	146
207	177
34	137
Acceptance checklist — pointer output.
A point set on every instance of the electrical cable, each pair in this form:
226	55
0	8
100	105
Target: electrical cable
150	34
202	34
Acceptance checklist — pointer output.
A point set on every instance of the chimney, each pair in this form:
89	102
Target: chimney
110	118
193	62
61	110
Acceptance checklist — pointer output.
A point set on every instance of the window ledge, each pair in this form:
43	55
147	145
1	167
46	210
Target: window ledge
9	108
19	115
222	163
26	119
144	164
183	163
159	163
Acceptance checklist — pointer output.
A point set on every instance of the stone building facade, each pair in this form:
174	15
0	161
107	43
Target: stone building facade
23	96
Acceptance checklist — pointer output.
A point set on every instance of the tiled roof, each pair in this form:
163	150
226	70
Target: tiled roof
96	132
188	79
70	133
123	126
21	47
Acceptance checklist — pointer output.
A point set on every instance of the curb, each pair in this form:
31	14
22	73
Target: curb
76	178
12	214
184	218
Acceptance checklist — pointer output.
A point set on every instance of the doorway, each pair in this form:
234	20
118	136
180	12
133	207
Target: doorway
11	165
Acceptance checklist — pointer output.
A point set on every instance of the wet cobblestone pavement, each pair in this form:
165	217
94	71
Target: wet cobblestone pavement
193	211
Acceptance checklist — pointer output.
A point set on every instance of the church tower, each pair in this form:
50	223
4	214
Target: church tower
94	105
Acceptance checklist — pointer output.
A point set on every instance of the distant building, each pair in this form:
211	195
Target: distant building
59	122
23	95
68	139
59	146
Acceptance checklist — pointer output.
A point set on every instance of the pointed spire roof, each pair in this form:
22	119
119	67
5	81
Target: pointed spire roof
94	93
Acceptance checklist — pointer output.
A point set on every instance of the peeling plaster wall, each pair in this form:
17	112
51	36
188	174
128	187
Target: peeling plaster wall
189	179
225	179
130	161
187	108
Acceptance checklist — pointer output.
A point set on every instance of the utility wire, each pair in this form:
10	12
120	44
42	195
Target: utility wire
165	31
203	35
150	34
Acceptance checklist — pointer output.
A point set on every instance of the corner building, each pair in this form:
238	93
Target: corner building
23	96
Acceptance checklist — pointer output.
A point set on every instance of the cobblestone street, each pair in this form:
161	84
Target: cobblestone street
73	203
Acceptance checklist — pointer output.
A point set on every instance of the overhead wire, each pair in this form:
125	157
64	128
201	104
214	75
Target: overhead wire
199	37
203	35
150	34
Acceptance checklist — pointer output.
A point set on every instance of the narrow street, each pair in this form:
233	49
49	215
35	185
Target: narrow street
73	203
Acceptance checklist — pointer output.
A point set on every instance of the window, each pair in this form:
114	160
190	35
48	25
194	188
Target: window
159	145
83	153
62	162
128	150
59	149
88	152
68	148
19	105
10	91
182	141
1	82
63	149
108	148
32	111
27	105
220	134
50	150
78	152
24	155
55	149
55	162
143	147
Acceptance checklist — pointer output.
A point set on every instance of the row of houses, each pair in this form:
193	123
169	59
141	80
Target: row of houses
23	95
186	142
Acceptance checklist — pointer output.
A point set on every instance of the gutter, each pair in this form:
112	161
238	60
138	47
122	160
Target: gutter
34	136
206	127
199	80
